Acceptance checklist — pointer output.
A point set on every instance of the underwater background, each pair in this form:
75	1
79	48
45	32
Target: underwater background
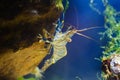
80	62
28	29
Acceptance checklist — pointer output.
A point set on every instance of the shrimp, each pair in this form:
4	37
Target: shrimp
59	45
60	40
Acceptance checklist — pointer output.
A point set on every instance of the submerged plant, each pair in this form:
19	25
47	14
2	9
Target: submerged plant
59	4
111	42
112	33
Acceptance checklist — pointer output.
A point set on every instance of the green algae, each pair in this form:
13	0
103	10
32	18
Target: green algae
112	32
21	78
110	37
59	5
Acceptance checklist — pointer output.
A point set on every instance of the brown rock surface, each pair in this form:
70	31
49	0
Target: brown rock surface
20	23
19	63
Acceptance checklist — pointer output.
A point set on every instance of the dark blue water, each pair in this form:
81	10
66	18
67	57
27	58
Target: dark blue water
80	61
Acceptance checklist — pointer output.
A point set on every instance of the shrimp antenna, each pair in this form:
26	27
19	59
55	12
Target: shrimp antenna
76	17
86	36
85	29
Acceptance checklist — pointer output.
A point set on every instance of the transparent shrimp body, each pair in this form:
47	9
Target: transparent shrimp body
59	47
59	44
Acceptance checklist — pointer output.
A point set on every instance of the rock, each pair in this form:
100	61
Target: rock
22	62
111	67
115	64
20	23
